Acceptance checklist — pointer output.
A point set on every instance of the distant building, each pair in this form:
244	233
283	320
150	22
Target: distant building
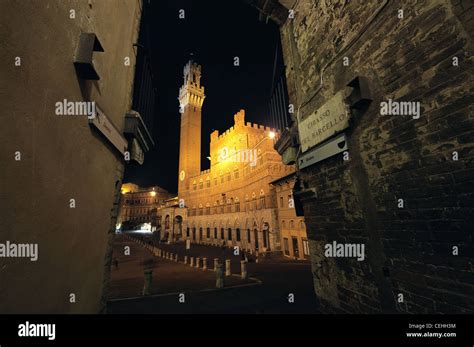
232	203
140	205
294	241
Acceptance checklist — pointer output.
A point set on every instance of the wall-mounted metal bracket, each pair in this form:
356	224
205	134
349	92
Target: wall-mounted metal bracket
88	44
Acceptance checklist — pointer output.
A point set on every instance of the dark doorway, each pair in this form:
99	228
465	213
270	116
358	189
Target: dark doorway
255	236
296	251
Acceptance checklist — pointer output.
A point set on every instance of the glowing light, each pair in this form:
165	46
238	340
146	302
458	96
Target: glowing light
271	135
153	193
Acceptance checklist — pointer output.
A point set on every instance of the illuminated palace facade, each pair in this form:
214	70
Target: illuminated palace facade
234	202
139	205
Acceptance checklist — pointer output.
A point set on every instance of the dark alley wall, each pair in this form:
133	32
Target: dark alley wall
409	250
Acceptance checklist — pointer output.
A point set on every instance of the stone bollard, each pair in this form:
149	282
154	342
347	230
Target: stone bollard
227	267
216	262
204	263
148	280
176	257
197	262
220	276
185	259
243	269
191	261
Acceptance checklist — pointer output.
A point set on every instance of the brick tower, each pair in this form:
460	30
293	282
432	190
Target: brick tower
191	97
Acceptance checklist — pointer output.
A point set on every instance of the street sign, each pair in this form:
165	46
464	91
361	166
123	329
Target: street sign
329	119
103	124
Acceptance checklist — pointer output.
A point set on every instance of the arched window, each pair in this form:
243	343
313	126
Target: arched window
215	233
208	233
200	184
194	185
248	235
229	234
222	234
236	172
292	224
237	205
237	234
283	224
228	176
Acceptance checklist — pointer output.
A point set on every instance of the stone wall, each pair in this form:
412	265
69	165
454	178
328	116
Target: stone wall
409	249
62	157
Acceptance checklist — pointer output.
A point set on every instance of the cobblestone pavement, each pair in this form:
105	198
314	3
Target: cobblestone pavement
279	278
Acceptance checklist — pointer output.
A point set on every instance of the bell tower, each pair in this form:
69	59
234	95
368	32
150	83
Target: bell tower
191	97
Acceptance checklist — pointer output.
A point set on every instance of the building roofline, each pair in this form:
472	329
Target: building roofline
283	178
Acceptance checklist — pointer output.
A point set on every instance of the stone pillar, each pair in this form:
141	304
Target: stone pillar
148	280
220	276
204	263
216	262
243	269
191	261
197	262
185	259
227	267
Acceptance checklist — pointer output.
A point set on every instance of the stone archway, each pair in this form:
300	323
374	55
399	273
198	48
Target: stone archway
178	228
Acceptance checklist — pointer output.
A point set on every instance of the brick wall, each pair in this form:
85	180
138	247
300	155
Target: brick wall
409	250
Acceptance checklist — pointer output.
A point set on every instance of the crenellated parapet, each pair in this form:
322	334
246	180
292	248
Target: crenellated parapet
191	93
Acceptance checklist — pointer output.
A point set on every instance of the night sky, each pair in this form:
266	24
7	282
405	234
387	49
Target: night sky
214	32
